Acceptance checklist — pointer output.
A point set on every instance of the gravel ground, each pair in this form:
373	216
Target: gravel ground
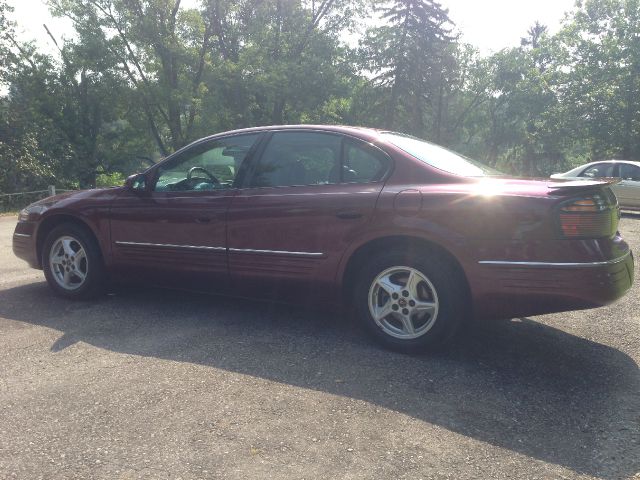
156	384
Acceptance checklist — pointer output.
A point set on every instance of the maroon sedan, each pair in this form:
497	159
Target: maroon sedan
415	237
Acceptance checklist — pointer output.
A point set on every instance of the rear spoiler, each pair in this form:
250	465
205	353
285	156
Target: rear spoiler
559	185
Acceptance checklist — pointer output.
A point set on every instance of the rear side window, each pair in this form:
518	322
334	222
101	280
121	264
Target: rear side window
299	158
363	163
598	170
629	172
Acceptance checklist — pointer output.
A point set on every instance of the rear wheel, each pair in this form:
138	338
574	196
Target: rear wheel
410	305
72	262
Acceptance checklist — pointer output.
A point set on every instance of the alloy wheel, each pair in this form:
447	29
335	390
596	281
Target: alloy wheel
68	263
403	302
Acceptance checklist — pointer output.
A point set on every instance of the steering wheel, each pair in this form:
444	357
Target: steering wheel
205	171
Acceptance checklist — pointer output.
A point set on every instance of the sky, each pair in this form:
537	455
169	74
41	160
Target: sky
489	25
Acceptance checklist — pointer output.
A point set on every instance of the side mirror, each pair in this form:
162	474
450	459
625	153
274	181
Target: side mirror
136	182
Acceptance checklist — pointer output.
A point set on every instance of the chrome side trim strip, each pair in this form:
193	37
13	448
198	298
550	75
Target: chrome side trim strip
168	245
276	252
22	235
235	250
555	264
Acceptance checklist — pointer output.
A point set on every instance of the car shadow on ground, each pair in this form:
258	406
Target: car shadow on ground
519	385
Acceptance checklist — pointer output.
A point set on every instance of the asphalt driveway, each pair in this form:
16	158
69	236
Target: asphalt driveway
156	384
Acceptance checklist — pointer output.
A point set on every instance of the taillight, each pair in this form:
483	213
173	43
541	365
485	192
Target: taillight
590	216
591	204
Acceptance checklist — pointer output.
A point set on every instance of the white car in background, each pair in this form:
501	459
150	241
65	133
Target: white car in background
627	190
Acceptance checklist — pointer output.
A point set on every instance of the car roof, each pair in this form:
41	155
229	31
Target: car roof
633	162
365	132
587	165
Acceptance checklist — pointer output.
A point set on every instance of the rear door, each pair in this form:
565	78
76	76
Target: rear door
628	190
307	196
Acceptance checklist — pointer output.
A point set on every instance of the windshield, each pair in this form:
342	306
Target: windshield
439	157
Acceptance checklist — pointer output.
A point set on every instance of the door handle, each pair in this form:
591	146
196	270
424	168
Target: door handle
349	215
203	220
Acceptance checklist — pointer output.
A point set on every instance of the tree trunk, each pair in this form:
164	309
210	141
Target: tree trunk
398	72
277	116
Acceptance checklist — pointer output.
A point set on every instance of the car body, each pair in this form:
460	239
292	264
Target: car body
416	237
627	190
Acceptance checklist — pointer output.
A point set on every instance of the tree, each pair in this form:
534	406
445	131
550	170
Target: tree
534	35
407	57
142	78
601	53
6	38
276	62
161	51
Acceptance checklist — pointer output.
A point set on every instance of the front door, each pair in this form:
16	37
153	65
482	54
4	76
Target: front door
306	199
173	232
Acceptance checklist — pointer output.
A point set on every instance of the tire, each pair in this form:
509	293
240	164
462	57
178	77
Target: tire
421	315
69	272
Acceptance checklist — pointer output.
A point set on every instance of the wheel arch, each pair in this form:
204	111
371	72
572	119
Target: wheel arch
51	222
411	245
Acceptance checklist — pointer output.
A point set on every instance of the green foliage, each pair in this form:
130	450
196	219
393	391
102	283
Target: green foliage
601	47
143	78
114	179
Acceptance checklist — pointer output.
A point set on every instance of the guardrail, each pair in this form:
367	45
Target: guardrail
13	202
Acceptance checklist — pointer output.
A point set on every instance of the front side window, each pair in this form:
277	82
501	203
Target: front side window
299	158
206	166
629	172
599	170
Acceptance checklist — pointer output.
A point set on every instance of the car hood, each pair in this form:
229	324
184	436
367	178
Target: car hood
52	200
65	199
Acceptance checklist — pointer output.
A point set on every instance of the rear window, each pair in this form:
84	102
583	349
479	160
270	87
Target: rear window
439	157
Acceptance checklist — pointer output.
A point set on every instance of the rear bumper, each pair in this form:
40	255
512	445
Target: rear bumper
516	289
24	243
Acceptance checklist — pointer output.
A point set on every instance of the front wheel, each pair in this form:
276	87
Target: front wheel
410	305
72	262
